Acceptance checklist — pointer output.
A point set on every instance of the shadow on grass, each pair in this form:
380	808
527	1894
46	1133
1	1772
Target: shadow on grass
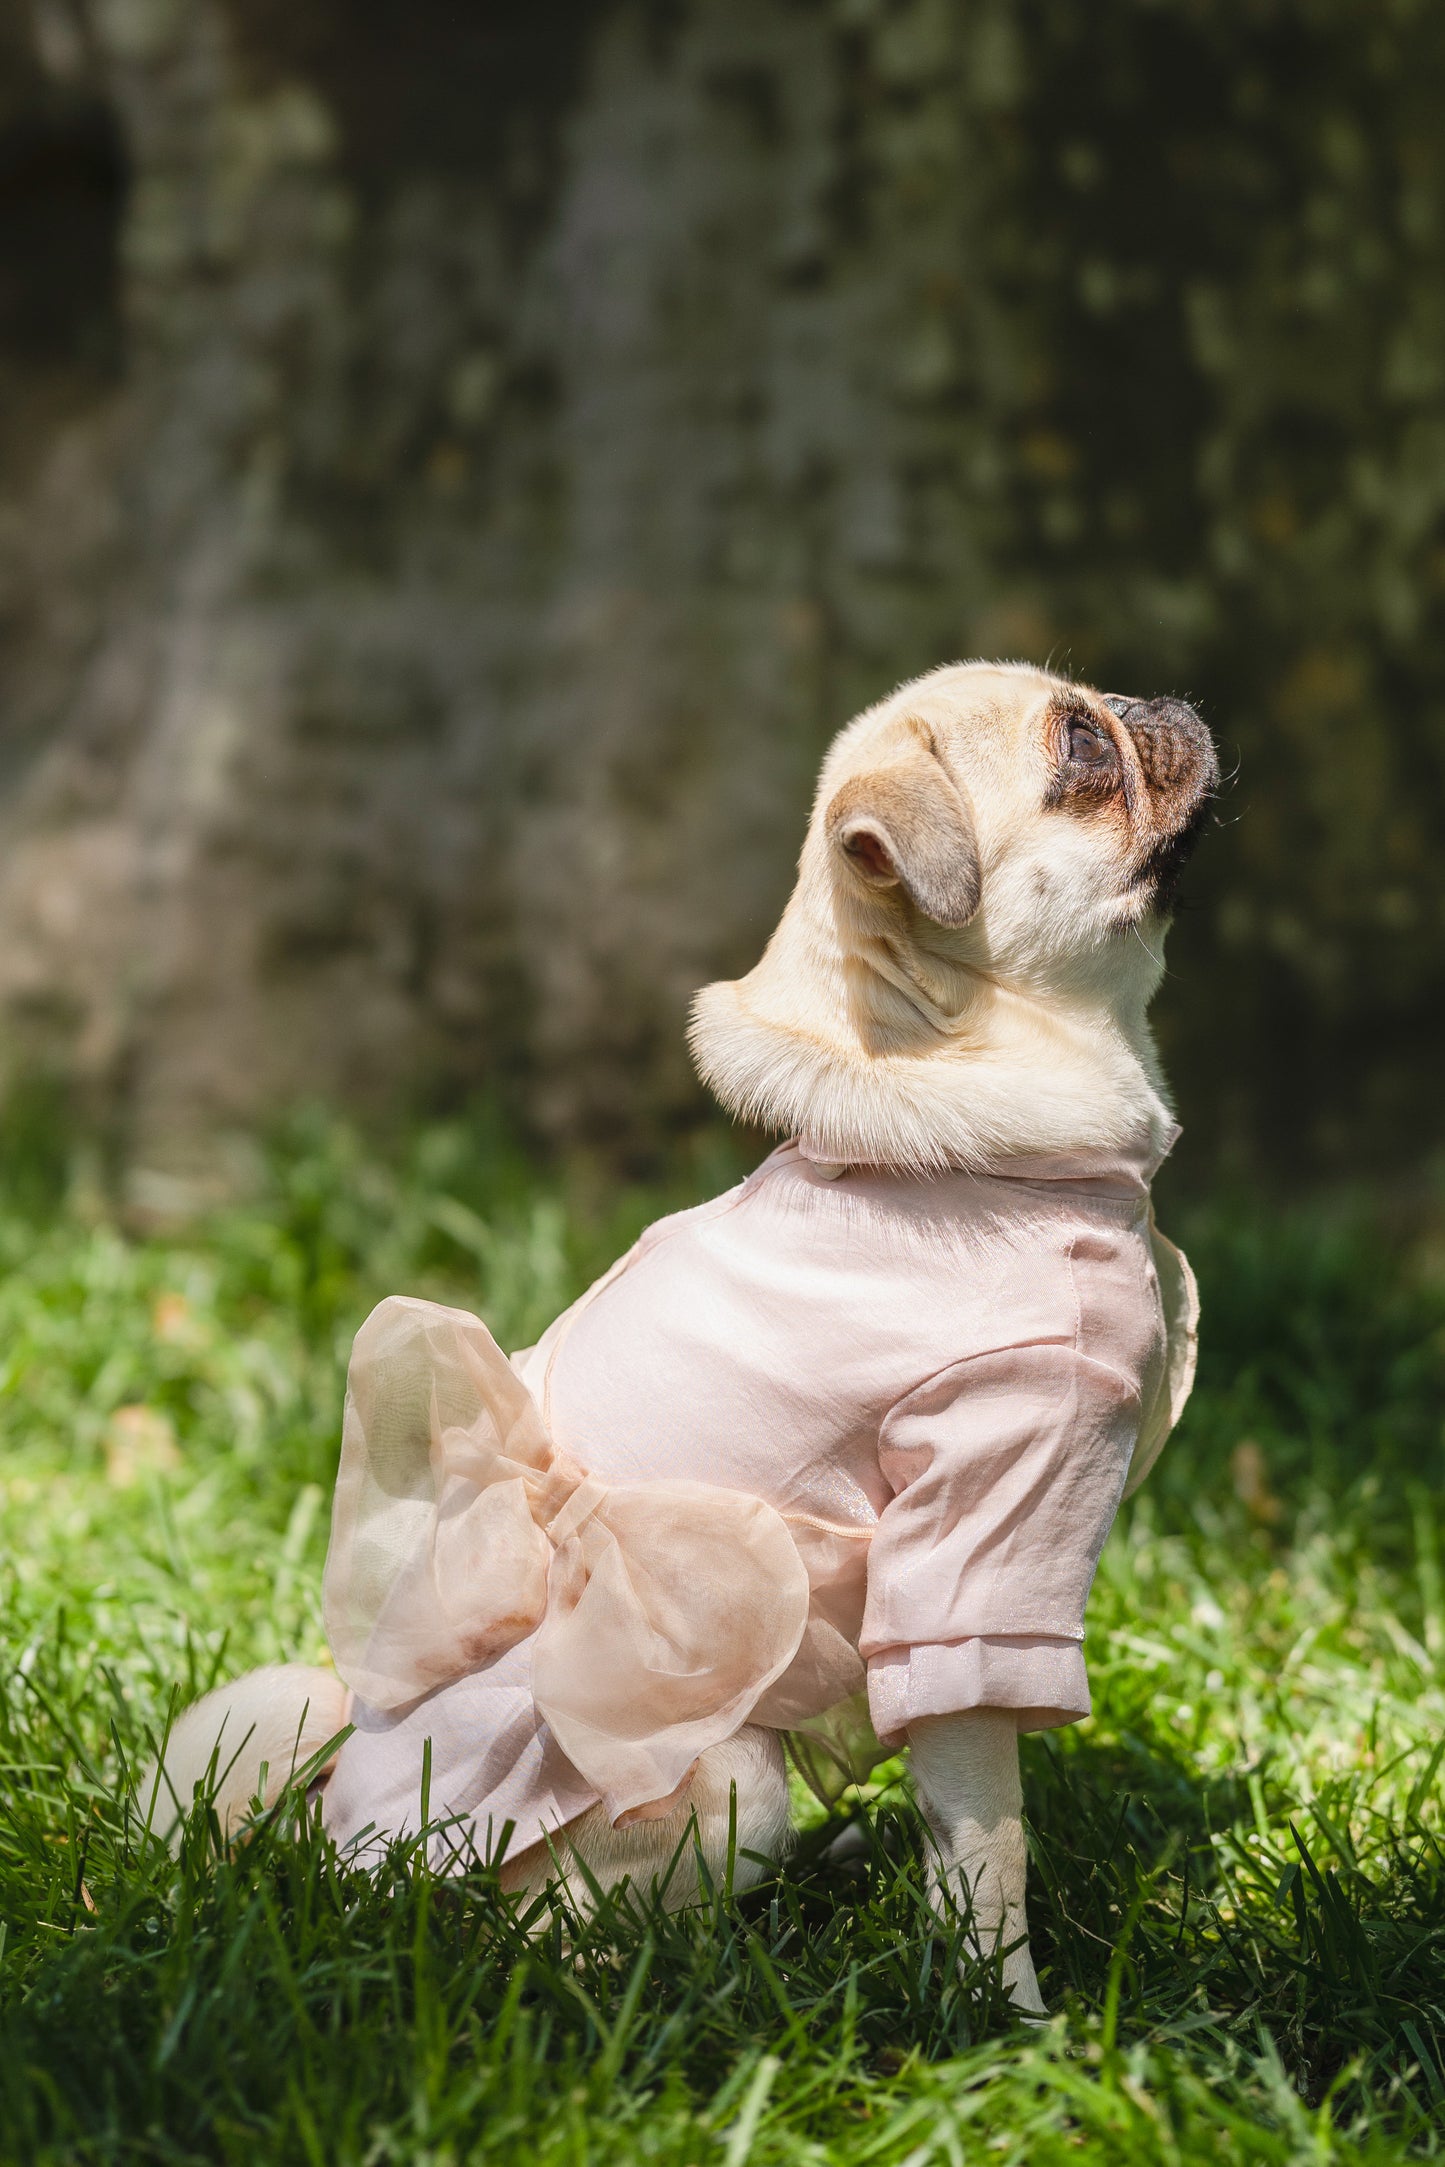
1170	1897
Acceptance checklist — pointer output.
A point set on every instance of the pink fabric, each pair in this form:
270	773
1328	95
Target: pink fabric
662	1611
937	1385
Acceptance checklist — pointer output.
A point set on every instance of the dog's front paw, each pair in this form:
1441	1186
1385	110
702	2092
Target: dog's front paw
1021	1984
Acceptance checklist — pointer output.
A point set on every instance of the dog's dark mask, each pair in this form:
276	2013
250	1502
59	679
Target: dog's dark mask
1181	771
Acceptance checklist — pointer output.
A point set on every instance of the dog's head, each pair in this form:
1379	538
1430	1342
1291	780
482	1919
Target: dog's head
1011	820
964	966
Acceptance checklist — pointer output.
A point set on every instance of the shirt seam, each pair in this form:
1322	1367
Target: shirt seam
824	1527
909	1648
1123	1206
988	1354
1128	1206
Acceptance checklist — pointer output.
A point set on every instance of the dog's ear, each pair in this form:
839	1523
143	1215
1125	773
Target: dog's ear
905	824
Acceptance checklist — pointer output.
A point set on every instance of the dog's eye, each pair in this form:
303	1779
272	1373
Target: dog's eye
1088	744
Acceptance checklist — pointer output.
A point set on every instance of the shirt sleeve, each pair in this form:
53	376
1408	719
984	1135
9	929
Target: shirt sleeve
1006	1472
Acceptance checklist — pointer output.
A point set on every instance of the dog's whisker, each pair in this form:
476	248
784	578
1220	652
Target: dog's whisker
1157	961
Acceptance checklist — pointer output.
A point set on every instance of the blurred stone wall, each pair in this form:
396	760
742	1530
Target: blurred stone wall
459	464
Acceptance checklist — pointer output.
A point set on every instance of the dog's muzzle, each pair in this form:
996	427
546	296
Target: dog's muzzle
1181	768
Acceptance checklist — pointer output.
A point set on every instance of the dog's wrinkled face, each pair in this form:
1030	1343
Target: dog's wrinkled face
1158	772
1035	820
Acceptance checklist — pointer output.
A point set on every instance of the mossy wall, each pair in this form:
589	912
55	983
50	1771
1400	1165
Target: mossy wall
457	467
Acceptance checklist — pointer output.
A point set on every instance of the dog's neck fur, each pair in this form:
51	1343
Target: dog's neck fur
837	1038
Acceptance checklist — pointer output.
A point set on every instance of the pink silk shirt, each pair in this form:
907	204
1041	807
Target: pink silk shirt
942	1385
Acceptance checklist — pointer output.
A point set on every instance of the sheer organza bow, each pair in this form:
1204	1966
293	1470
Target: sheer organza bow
663	1611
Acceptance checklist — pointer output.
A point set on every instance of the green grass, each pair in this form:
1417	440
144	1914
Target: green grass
1238	1883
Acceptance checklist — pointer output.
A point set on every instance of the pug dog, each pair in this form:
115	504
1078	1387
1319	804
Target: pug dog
830	1459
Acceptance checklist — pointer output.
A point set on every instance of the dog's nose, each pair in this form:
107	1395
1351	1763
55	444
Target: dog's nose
1173	743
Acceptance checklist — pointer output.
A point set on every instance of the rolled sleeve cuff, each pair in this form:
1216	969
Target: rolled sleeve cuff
1042	1679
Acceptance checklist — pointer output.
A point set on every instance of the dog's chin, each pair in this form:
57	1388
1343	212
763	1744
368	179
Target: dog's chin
1134	906
1156	878
1152	888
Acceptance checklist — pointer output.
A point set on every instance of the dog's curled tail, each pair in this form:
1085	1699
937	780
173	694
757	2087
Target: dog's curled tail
245	1740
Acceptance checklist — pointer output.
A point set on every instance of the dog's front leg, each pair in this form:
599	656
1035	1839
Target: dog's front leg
966	1772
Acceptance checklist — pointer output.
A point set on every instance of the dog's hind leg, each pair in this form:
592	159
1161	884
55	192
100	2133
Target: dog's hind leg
246	1739
664	1853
